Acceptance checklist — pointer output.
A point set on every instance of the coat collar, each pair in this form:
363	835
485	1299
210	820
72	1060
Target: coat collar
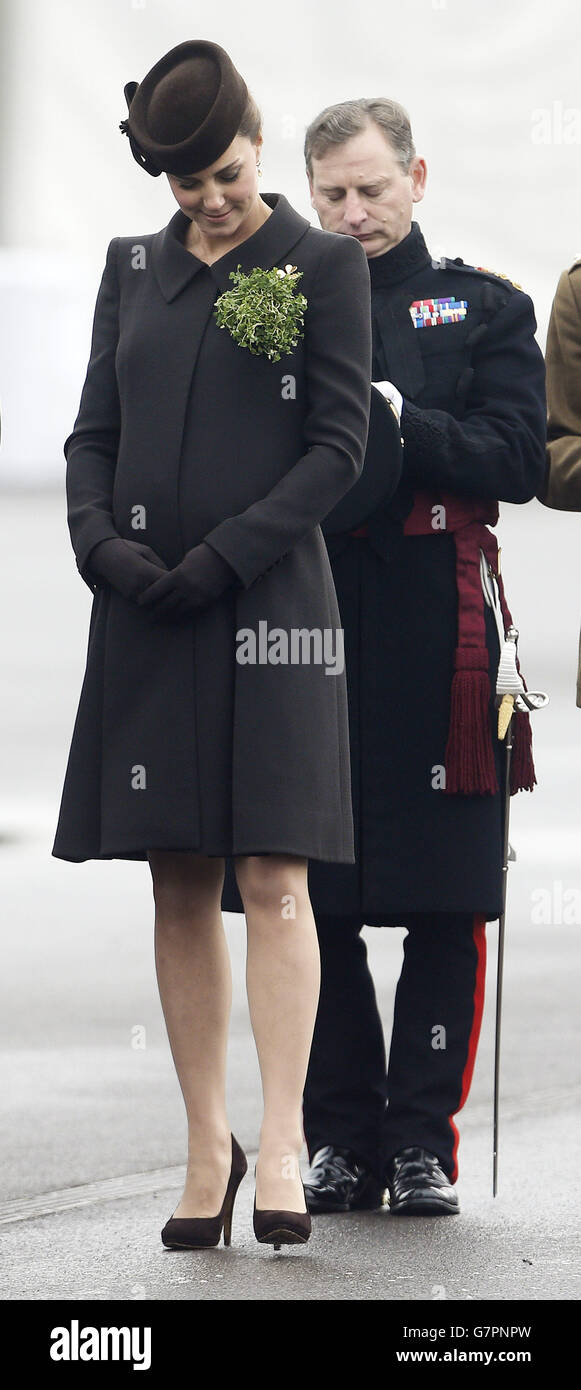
405	259
175	266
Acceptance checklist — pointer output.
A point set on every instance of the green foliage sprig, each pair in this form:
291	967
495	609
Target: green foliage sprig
262	312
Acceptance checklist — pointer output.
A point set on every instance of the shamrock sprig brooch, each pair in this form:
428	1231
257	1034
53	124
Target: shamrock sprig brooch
262	311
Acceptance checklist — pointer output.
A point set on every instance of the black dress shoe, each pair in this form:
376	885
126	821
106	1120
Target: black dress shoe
337	1181
418	1185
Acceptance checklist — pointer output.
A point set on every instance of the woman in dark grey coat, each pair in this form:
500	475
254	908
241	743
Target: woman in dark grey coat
197	474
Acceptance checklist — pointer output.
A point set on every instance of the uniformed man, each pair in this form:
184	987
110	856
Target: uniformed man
455	351
562	486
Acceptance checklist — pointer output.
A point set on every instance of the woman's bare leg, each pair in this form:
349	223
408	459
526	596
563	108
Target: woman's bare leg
283	982
195	986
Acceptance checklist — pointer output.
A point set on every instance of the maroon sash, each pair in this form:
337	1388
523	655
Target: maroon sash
470	766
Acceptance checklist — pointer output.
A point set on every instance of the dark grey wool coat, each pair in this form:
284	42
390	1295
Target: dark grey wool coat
180	427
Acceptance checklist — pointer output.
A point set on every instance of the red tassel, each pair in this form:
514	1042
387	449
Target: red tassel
470	766
522	768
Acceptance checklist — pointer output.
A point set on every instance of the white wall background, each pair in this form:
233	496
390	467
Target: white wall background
492	86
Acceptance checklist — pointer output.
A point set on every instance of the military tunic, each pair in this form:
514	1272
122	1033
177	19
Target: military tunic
562	487
473	424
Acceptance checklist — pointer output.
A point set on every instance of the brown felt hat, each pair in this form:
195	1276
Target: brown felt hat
187	109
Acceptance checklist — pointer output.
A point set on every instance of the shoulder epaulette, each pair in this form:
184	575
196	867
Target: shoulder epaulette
446	263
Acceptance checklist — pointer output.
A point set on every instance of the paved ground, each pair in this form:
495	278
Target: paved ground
93	1125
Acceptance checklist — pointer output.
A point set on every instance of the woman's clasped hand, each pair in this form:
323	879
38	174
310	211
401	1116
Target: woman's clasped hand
128	566
200	578
139	574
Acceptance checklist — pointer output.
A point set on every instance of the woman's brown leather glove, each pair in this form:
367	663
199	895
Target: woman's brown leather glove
200	578
128	566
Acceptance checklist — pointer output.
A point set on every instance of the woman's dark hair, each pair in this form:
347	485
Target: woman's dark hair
251	122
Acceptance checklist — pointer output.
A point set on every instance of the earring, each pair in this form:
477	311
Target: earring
259	167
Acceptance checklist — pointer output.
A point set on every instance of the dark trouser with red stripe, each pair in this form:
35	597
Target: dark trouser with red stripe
350	1099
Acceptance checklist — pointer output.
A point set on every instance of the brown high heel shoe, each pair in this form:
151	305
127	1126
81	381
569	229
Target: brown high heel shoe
201	1232
281	1227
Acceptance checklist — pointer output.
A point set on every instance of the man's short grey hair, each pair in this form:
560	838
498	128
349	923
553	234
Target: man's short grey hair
338	123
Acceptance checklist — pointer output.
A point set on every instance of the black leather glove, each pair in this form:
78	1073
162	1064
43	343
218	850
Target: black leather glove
128	566
200	578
